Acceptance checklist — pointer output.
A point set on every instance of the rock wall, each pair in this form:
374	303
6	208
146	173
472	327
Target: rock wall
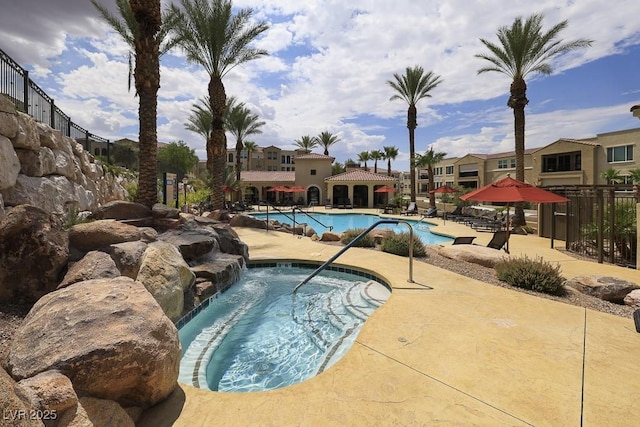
41	167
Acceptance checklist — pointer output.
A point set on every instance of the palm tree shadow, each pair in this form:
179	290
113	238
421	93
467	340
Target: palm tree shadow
164	413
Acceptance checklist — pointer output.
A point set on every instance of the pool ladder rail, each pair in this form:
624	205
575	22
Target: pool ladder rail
293	219
354	241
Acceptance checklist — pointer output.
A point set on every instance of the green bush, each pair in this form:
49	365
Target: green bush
367	241
537	275
398	244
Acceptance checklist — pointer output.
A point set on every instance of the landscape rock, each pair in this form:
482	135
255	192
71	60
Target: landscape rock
121	209
27	135
92	412
108	336
222	271
192	244
95	235
329	236
94	265
633	298
166	276
476	254
14	397
230	242
6	104
8	124
37	163
9	164
30	230
163	211
606	288
51	391
128	257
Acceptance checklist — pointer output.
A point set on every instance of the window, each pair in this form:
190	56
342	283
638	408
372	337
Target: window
437	171
623	153
272	155
313	171
230	159
507	163
562	162
449	170
626	179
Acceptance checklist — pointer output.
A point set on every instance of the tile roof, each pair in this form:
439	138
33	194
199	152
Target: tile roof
579	141
360	175
313	156
268	176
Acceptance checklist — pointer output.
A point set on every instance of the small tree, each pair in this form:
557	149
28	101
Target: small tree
612	176
177	157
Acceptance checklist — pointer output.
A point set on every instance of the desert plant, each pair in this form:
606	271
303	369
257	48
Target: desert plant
398	244
367	241
533	274
73	216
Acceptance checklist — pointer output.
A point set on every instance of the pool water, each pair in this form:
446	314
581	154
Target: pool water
258	336
321	222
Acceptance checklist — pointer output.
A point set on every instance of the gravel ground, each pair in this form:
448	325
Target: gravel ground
11	315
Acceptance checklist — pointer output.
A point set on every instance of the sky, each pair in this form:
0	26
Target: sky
328	66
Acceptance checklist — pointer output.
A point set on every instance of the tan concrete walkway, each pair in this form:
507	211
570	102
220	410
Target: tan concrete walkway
447	350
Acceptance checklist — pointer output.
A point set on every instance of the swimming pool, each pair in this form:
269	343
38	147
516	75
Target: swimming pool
342	222
257	336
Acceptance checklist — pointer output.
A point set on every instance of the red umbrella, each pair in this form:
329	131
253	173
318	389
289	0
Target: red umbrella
444	189
226	188
509	190
297	189
384	189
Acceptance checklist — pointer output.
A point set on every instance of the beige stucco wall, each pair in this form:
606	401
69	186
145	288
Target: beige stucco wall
612	139
584	176
306	180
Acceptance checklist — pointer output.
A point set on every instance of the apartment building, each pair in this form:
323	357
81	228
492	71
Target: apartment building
268	159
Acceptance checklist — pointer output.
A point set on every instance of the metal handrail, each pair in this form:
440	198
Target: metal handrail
330	227
282	213
354	241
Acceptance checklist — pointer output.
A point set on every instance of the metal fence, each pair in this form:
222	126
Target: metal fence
29	98
599	221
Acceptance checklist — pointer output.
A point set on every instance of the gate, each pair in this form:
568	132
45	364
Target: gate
599	222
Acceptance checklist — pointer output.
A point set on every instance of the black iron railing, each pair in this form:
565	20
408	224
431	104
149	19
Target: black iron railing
29	98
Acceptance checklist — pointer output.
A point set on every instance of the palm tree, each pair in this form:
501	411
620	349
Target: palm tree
364	157
390	153
144	28
375	156
635	177
524	49
411	88
242	123
214	37
327	139
306	143
250	147
428	159
201	118
612	176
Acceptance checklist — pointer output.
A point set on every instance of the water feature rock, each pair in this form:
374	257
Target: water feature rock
100	234
166	276
193	244
94	265
606	288
108	336
230	242
163	211
15	398
121	209
222	271
51	391
128	257
247	221
27	230
9	164
475	254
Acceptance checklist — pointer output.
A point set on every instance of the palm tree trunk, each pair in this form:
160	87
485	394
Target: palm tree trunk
389	167
518	101
239	148
217	142
147	82
432	196
412	123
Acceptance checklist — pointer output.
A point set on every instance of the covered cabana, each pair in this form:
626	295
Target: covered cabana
357	188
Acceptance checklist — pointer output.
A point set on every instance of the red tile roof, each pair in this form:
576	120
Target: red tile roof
313	156
361	175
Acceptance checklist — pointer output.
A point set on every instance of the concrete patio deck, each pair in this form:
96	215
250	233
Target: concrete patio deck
447	350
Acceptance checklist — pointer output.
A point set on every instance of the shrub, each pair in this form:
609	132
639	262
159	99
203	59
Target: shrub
367	241
398	244
537	275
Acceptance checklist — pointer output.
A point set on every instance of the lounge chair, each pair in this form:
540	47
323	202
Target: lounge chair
412	209
348	204
328	204
463	240
499	240
430	213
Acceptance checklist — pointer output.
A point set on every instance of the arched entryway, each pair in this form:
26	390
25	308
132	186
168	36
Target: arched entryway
361	195
340	194
251	195
313	195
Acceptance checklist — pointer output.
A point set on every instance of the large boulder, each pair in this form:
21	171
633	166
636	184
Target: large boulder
633	298
95	235
51	392
166	276
193	244
606	288
92	412
222	271
163	211
246	221
16	399
230	242
27	135
120	209
94	265
128	257
476	254
108	336
33	253
9	164
37	163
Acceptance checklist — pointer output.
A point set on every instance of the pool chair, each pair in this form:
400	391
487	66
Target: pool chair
412	209
328	204
463	240
430	213
499	240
